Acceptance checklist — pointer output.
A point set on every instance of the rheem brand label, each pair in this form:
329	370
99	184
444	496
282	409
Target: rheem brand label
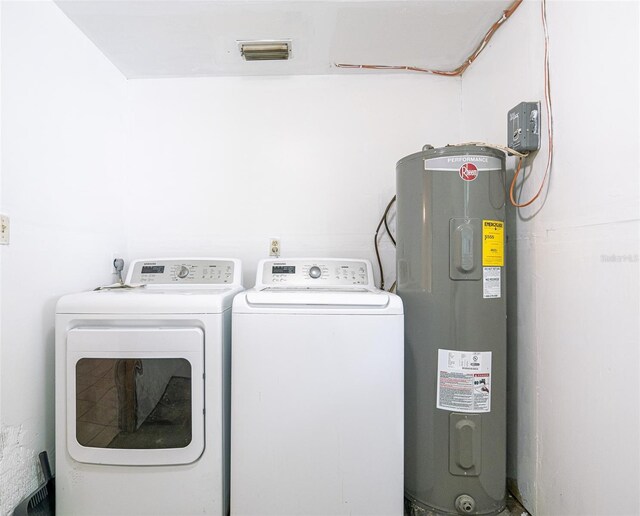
468	172
456	164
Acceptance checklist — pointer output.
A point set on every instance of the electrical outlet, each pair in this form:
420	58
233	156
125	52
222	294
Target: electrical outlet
523	127
274	247
4	229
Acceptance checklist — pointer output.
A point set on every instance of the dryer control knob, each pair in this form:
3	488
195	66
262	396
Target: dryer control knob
182	272
315	272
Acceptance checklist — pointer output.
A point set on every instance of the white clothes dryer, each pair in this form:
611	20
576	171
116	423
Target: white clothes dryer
317	392
142	392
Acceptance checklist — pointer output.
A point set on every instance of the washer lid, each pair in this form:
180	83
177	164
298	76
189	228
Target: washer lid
149	301
318	297
317	301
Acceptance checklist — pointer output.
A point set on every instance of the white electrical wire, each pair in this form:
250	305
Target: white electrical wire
547	85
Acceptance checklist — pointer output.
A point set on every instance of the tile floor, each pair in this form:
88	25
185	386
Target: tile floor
96	402
514	508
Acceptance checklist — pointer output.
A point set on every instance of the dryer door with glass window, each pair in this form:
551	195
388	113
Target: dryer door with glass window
135	396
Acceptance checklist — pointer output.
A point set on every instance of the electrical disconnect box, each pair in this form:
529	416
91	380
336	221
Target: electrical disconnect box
523	127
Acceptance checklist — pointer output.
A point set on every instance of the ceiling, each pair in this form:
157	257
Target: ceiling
195	38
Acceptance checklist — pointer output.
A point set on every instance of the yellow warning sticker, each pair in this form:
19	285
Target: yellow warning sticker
492	243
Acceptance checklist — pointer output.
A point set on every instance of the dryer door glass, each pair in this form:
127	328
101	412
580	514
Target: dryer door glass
133	403
135	396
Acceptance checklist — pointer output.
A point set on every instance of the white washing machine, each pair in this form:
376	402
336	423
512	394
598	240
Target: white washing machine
142	392
317	392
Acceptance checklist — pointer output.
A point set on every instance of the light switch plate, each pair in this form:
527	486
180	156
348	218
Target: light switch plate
4	229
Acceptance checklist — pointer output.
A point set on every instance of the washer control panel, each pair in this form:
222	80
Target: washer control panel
190	271
326	272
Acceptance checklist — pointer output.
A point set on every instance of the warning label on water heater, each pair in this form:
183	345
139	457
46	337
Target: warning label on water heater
464	381
491	288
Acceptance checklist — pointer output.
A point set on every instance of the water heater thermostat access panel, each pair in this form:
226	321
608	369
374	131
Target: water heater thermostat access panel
182	272
315	273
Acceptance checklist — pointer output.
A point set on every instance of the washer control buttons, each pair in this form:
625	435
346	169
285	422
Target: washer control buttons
182	272
317	273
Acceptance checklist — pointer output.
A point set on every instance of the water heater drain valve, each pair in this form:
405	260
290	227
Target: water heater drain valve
465	504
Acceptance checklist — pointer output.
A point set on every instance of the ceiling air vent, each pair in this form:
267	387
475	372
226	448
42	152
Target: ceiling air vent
265	50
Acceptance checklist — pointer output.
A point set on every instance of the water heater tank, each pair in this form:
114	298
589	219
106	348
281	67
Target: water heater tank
451	278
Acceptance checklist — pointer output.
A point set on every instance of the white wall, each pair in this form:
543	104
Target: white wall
218	166
573	382
62	157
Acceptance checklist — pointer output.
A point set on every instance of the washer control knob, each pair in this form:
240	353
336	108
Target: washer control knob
182	272
315	272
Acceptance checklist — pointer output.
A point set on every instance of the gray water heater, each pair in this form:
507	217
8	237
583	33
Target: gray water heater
451	278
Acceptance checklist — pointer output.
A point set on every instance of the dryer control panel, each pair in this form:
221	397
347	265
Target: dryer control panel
309	272
187	271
